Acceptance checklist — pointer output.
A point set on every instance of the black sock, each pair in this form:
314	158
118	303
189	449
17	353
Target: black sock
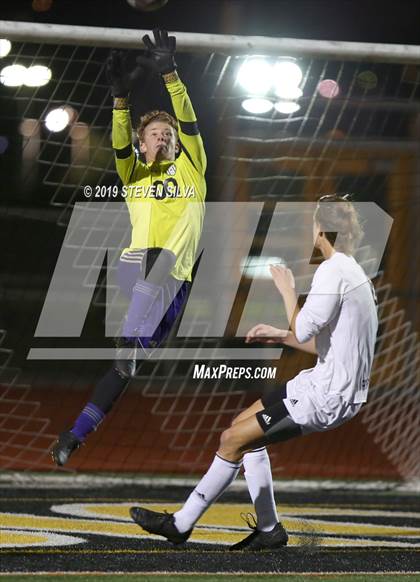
108	390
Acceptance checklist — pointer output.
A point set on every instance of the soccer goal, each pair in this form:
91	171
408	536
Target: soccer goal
283	120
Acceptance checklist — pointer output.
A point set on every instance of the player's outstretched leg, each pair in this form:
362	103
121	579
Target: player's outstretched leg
179	526
65	445
110	387
223	470
145	315
161	524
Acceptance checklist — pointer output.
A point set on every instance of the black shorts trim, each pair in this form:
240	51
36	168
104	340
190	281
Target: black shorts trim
276	396
271	415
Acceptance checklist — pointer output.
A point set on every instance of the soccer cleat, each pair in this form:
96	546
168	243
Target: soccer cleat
161	524
261	540
66	443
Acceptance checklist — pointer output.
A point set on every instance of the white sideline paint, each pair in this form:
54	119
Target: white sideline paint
71	481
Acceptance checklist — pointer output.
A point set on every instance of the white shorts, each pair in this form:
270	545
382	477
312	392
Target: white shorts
315	415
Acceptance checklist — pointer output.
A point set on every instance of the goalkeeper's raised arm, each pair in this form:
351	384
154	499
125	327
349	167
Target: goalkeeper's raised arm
121	82
160	58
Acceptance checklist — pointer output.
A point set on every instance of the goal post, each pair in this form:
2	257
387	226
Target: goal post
211	43
352	125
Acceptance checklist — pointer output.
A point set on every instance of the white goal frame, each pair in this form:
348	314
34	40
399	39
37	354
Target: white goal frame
222	43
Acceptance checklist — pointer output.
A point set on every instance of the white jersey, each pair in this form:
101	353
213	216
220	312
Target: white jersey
340	312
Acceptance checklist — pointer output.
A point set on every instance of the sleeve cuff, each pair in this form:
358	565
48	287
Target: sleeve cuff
303	331
170	77
120	102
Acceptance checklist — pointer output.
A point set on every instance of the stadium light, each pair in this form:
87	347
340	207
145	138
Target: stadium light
255	76
37	76
13	75
17	75
5	46
286	106
257	105
58	119
287	77
288	93
287	72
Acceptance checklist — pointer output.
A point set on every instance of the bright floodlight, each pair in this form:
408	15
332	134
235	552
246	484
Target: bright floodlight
287	72
37	76
57	119
287	76
13	75
288	92
257	105
5	46
255	76
287	106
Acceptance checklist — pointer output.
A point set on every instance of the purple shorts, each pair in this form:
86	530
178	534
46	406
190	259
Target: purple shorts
175	292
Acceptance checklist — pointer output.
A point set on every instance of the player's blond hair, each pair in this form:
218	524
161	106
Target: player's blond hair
155	115
337	218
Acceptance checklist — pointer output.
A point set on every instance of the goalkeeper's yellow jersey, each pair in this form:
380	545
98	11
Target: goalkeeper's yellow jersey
165	199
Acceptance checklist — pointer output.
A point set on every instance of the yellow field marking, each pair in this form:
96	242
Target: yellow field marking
23	538
228	515
18	538
221	524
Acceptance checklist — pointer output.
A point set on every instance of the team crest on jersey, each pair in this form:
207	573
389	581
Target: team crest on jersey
171	170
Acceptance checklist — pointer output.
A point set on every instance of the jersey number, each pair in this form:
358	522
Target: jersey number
168	188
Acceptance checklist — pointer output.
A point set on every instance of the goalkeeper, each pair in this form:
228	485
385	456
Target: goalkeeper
165	199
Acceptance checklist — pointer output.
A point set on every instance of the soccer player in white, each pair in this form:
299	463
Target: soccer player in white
338	323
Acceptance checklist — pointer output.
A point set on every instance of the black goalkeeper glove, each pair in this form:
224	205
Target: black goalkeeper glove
119	78
160	57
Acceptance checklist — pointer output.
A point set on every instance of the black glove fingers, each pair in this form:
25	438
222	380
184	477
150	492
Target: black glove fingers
113	68
123	60
172	43
116	73
164	38
147	42
160	55
158	38
112	61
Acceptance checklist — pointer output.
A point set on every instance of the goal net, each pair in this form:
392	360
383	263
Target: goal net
347	120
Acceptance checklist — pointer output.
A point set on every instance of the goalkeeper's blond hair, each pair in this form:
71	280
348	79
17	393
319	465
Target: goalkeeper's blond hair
155	115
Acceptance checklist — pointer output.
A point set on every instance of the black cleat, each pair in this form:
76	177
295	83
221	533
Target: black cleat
161	524
66	443
262	540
